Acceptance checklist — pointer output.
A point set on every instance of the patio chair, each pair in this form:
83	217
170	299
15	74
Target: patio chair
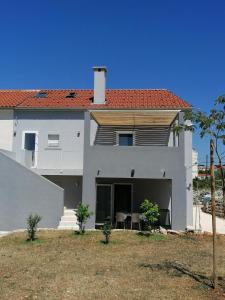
135	219
120	218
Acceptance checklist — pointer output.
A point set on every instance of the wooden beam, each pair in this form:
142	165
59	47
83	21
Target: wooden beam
134	118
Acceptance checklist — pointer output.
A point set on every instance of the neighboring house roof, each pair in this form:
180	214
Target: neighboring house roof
203	175
115	99
218	167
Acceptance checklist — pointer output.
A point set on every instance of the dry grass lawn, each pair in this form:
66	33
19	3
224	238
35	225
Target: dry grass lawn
62	265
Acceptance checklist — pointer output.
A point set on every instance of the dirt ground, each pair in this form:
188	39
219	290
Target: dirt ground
63	265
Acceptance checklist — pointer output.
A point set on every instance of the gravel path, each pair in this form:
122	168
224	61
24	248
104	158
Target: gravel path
206	221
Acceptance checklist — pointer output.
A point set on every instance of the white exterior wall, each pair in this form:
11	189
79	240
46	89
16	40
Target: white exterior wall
194	163
6	129
94	128
23	192
67	158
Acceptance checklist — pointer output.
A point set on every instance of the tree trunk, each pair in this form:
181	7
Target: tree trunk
213	202
81	227
221	172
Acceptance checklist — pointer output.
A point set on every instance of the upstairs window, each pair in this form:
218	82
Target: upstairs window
125	139
30	145
29	141
53	140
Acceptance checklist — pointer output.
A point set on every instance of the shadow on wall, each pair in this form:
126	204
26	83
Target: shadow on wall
72	186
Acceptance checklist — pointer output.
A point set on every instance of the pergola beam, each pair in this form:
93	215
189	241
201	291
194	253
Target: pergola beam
134	118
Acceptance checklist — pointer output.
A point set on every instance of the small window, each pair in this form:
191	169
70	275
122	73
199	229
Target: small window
41	95
53	140
125	139
71	95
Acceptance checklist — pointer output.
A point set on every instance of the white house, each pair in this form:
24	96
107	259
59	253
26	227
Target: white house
109	148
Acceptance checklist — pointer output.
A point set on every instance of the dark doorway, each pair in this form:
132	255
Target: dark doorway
29	142
122	198
103	203
30	147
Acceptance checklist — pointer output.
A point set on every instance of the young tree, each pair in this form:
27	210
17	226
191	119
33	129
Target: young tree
83	215
107	230
212	176
150	212
211	125
32	222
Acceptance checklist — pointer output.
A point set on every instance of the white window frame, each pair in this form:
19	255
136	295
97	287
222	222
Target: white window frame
49	145
36	145
125	132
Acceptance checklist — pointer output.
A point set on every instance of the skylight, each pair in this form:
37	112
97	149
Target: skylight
71	95
41	95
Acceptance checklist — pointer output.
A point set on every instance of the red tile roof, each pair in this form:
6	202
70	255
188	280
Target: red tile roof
115	99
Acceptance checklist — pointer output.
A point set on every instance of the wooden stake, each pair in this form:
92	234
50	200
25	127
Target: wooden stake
213	203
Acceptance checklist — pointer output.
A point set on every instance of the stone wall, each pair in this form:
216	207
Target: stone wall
219	209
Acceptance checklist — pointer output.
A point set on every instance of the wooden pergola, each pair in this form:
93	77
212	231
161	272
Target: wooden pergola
134	117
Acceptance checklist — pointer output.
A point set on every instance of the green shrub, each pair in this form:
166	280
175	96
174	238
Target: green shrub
107	231
83	215
32	222
150	212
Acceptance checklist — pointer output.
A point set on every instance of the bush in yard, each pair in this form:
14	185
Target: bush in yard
32	222
83	215
150	212
107	231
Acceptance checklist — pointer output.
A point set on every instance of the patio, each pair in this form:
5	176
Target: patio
119	201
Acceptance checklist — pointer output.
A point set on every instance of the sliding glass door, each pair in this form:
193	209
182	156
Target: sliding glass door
103	203
123	198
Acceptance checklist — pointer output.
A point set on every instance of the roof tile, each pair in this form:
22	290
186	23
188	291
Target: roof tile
115	99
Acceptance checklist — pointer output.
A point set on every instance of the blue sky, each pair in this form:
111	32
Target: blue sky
173	44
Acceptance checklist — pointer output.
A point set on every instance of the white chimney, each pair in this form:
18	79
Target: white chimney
99	84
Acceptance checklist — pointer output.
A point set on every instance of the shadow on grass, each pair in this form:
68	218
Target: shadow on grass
189	237
151	236
176	269
104	242
81	235
36	241
112	242
200	286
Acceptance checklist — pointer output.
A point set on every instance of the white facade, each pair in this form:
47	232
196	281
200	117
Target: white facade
194	163
6	129
61	157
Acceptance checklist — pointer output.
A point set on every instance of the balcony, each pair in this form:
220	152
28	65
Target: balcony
133	128
136	161
155	151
